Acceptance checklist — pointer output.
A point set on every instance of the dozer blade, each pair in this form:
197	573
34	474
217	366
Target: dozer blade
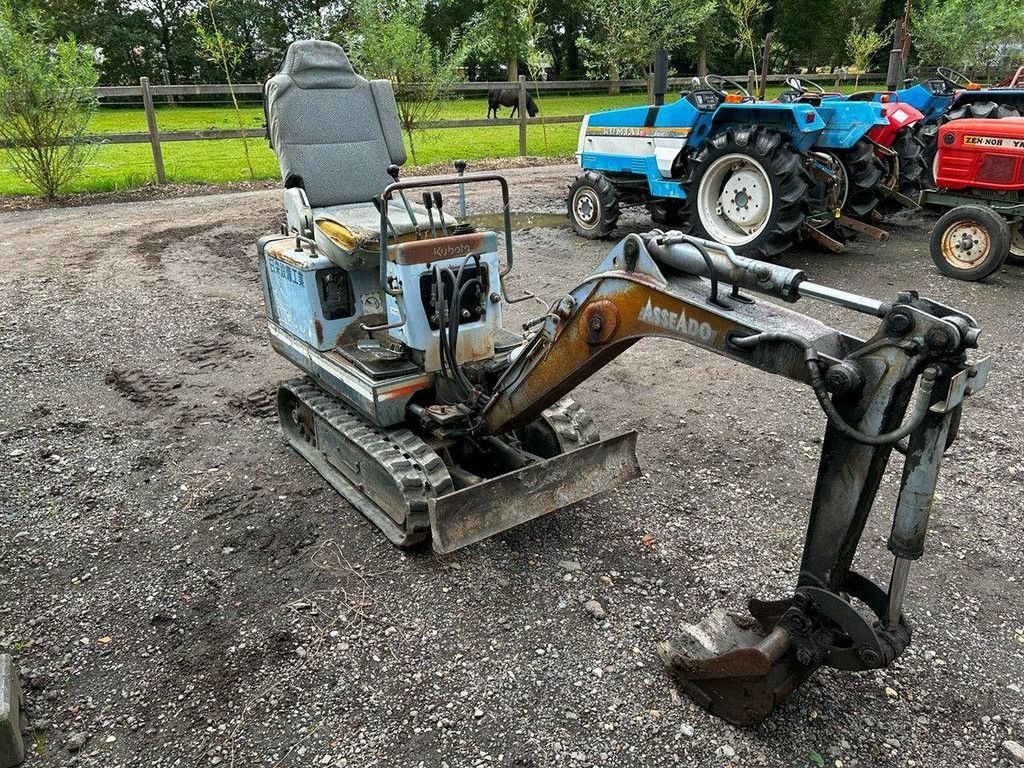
733	669
479	511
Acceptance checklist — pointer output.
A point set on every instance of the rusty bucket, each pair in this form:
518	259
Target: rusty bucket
737	667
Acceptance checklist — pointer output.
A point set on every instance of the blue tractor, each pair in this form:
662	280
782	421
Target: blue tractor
743	173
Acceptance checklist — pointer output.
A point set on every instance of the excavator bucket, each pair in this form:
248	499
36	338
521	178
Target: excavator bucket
474	513
734	666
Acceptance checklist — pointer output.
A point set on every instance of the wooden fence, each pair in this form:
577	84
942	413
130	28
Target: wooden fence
147	92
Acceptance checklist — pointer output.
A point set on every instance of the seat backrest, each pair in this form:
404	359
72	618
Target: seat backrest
334	132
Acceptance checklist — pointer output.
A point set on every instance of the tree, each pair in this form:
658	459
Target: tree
969	34
501	30
48	100
388	42
746	16
172	22
226	54
861	45
626	33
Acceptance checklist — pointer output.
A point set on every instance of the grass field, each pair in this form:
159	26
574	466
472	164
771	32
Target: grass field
123	166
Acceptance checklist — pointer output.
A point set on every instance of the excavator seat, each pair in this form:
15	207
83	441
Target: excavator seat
335	134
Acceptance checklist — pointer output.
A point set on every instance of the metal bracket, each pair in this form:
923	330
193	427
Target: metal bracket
963	384
826	242
860	226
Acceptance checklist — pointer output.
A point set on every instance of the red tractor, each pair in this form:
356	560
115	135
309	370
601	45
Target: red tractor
980	178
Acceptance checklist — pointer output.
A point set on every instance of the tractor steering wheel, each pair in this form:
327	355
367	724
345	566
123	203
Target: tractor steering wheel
799	84
952	77
717	84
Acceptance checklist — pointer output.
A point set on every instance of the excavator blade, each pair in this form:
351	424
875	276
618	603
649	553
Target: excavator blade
479	511
733	668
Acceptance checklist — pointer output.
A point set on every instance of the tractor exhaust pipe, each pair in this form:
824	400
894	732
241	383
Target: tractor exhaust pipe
660	75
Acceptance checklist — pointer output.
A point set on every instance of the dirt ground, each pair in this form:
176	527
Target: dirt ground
181	589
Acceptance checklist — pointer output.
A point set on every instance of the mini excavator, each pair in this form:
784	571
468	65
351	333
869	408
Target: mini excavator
436	422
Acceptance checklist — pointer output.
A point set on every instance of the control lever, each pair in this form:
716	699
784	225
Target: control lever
428	203
393	173
460	168
378	203
439	204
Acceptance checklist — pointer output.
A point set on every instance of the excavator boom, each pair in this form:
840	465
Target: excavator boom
741	667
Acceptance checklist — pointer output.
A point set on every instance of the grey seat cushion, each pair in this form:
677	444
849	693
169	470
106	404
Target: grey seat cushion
349	234
335	133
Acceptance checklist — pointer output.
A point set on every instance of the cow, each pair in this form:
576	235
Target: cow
509	97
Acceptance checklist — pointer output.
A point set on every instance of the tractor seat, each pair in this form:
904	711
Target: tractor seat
349	234
335	134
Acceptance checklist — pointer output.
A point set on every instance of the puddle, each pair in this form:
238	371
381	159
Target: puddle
495	221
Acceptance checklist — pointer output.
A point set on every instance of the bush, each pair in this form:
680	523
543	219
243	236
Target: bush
46	101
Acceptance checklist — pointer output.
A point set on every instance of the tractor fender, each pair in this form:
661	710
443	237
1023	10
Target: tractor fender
799	123
847	122
897	117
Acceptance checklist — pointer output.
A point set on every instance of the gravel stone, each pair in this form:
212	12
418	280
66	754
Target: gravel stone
595	609
1014	750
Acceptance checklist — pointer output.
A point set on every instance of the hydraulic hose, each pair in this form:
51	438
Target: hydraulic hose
817	381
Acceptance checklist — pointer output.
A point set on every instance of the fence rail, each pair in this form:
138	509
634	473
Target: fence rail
147	92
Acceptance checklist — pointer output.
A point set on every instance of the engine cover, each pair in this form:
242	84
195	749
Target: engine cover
981	154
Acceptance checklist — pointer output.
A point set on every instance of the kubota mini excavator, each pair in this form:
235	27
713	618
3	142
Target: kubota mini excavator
436	422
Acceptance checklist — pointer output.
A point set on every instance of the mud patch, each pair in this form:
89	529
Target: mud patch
213	353
260	404
236	247
151	247
143	388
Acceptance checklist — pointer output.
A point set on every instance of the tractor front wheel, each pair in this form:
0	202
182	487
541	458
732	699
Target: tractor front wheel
970	242
666	212
593	205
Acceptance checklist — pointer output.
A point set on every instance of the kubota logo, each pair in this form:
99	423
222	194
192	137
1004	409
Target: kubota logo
677	322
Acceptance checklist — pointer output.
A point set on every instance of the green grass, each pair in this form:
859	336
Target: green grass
123	166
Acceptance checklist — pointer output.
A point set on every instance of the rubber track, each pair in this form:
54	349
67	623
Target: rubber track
571	424
419	472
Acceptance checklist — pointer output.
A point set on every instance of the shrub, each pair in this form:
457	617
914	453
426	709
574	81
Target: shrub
46	101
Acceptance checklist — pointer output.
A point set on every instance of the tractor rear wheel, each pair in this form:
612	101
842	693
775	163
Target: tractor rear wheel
863	172
970	242
593	205
928	135
911	170
746	188
987	110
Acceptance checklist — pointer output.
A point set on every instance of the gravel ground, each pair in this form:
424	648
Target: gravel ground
183	590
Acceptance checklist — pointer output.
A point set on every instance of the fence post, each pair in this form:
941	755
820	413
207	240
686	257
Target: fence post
751	80
154	134
522	115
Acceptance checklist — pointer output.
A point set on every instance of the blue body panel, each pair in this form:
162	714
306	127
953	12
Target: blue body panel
847	122
924	100
800	123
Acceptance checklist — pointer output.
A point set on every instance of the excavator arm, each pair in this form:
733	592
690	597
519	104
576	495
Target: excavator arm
901	389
